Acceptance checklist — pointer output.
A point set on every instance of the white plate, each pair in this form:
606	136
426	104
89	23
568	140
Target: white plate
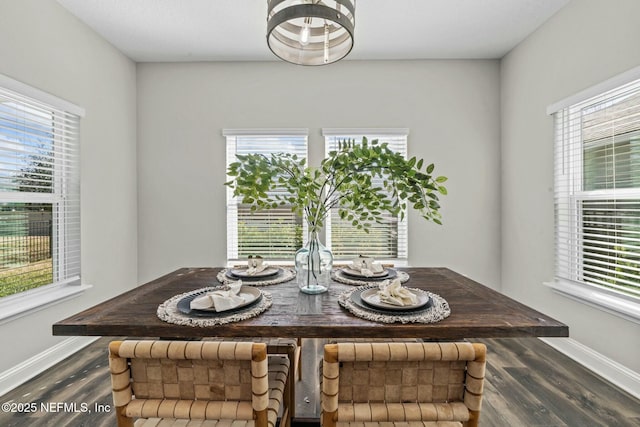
242	272
371	297
356	273
248	293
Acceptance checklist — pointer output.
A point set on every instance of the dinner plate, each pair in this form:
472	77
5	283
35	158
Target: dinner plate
357	300
241	273
354	274
250	294
371	297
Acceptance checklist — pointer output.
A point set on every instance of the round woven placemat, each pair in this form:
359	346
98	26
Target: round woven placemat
168	310
339	276
286	275
438	310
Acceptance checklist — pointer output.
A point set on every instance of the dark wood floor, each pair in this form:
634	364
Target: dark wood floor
529	384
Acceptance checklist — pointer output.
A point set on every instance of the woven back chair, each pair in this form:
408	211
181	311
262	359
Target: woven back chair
422	384
167	382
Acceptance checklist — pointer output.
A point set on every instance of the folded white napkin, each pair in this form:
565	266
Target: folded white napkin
255	269
366	266
220	300
255	265
393	293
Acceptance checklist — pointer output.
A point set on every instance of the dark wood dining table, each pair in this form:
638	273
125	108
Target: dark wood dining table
477	311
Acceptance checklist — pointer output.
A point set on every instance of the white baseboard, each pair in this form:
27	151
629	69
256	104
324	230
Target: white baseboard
37	364
610	370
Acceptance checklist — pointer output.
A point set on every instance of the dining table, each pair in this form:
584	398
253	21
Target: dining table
473	311
477	311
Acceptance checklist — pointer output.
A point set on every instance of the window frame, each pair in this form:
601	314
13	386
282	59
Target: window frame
27	302
232	240
373	133
613	301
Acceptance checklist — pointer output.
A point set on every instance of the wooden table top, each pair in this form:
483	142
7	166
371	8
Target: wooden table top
476	312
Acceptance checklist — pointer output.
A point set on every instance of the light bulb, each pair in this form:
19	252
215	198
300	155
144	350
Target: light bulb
304	35
305	31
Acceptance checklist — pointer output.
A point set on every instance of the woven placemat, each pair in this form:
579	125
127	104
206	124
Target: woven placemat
168	310
338	275
438	310
286	275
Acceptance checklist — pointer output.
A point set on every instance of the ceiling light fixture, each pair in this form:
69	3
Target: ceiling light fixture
310	32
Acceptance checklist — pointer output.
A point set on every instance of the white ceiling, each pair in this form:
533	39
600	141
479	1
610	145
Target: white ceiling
235	30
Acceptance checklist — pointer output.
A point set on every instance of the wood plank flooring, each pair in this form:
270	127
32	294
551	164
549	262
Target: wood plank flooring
529	384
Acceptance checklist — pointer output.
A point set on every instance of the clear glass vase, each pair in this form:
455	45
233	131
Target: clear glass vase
313	266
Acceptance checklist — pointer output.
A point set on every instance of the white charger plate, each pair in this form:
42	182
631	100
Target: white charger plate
371	297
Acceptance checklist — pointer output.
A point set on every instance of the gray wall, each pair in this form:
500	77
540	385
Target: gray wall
587	42
451	108
44	46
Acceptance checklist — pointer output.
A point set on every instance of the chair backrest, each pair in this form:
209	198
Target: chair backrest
396	381
189	379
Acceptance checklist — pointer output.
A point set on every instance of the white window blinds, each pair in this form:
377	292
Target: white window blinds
387	240
270	233
597	190
39	191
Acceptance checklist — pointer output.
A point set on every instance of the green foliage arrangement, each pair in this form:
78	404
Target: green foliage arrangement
347	179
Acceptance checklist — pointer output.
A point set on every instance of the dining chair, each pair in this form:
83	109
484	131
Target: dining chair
381	384
167	383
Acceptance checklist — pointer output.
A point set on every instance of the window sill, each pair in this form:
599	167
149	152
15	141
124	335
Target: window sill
15	306
612	302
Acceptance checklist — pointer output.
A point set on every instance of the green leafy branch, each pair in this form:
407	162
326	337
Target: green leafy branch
348	179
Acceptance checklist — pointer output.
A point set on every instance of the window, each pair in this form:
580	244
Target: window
39	190
270	233
385	241
597	192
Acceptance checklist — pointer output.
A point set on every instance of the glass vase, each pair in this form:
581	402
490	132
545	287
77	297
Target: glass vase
313	266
